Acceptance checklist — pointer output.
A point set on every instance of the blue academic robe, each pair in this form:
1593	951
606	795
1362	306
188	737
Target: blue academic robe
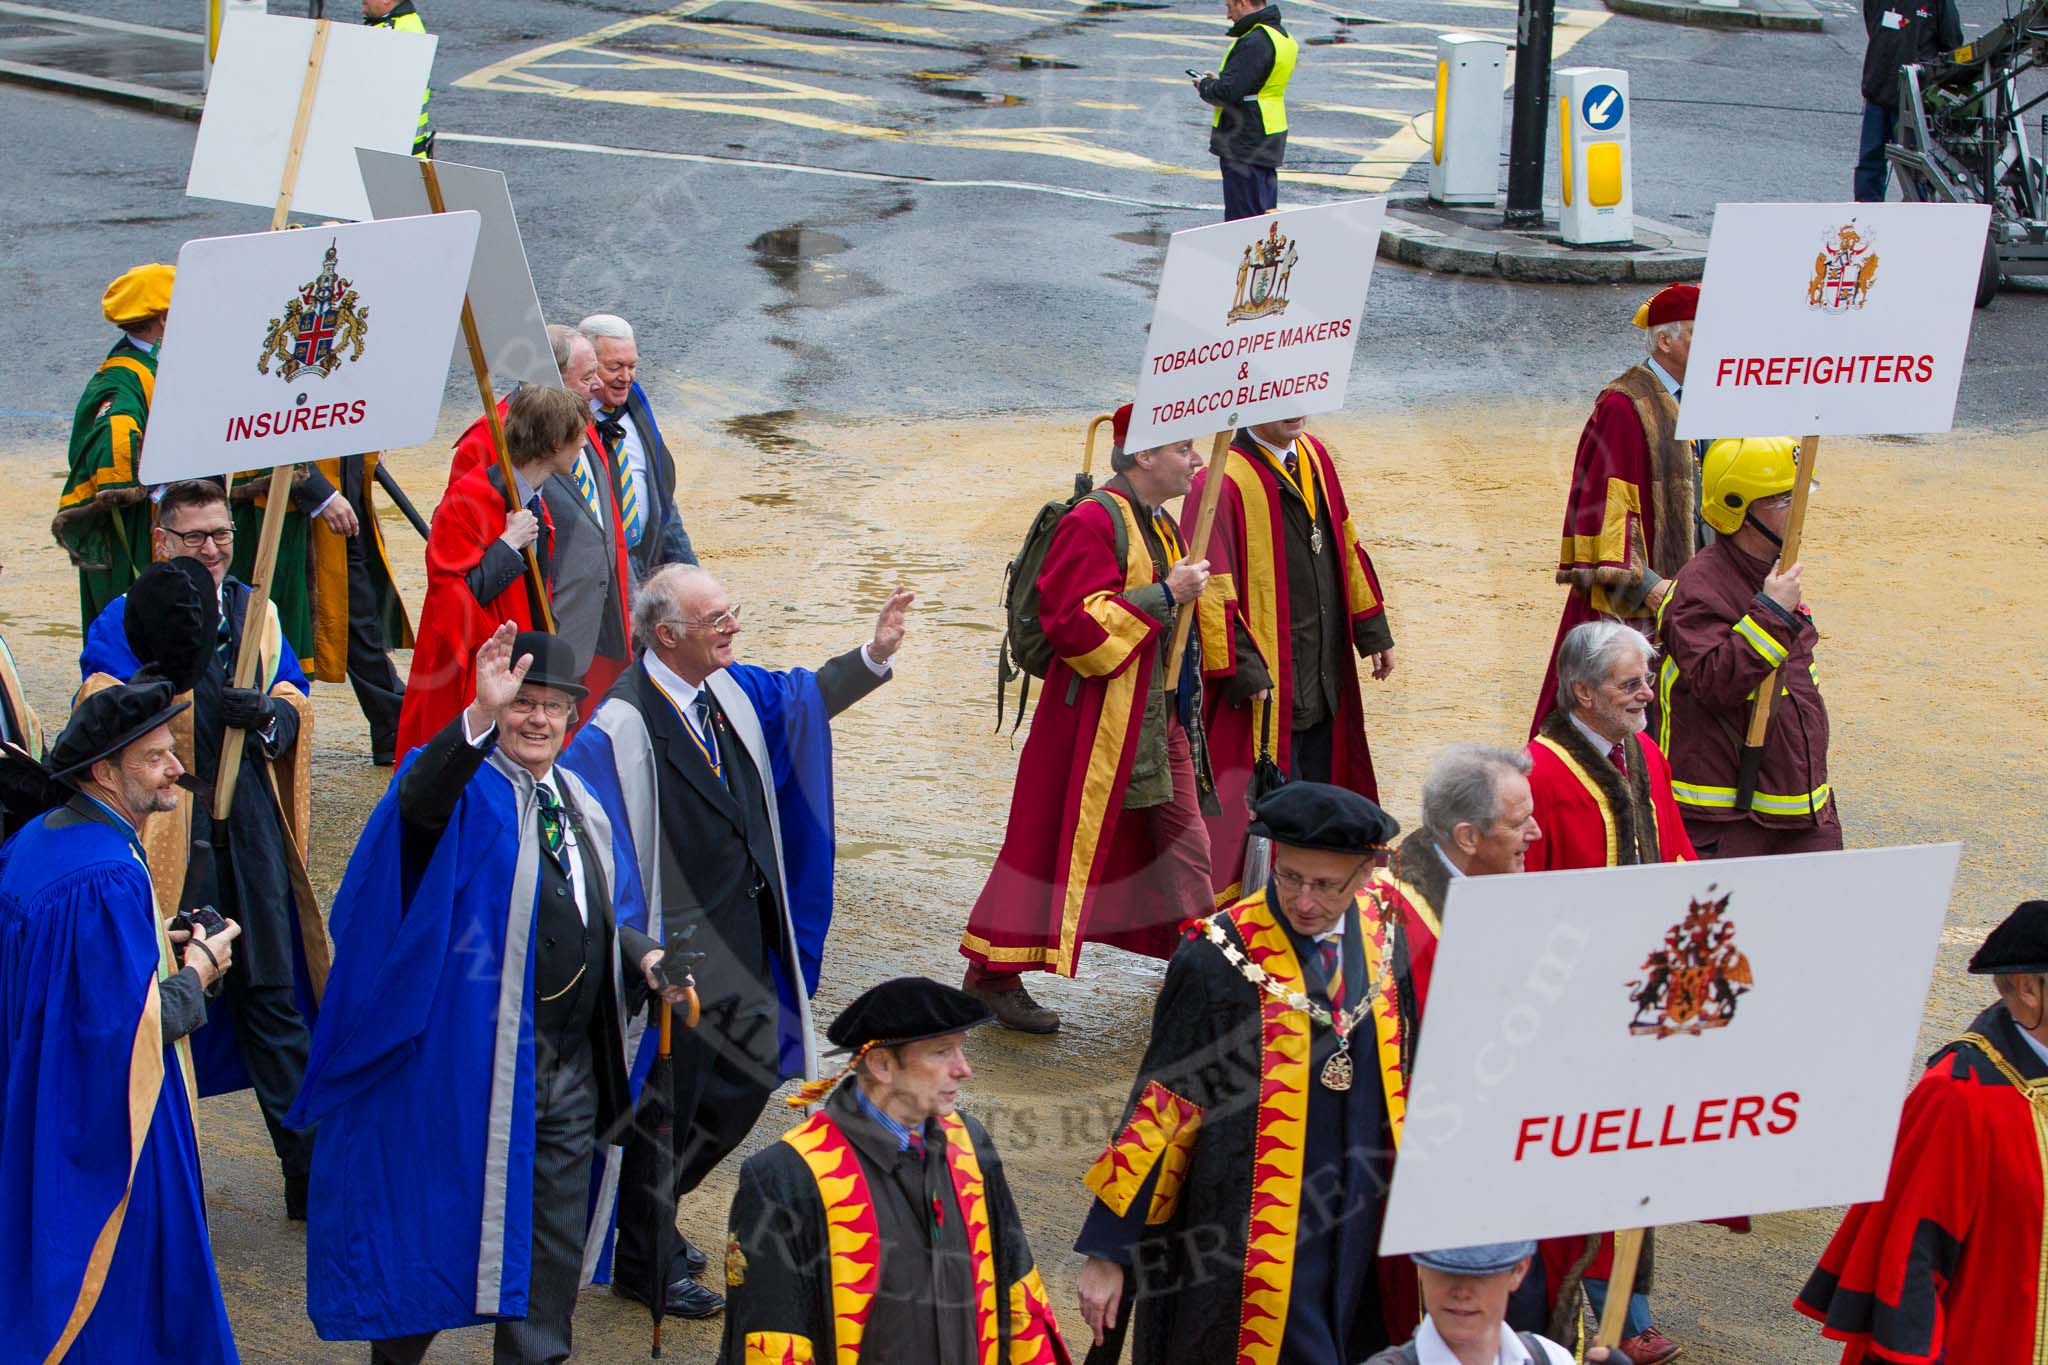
614	758
421	1076
104	1243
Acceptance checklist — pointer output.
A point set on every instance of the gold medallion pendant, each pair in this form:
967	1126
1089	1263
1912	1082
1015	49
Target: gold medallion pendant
1336	1074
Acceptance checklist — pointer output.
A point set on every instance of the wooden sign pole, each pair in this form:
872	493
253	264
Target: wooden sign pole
279	494
1621	1283
1198	546
1788	554
536	586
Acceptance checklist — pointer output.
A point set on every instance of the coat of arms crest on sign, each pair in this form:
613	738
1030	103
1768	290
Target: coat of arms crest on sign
320	322
1843	272
1692	981
1262	276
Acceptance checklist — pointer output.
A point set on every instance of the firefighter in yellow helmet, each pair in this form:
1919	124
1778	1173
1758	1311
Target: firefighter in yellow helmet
1248	132
400	15
1735	614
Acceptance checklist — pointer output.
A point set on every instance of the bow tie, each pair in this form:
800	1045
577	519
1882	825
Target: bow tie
611	428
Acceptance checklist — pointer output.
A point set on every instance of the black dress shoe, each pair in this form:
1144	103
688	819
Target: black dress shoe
686	1298
694	1261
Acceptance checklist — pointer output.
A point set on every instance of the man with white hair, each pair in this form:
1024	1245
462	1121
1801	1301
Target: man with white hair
721	773
640	461
1602	792
1631	513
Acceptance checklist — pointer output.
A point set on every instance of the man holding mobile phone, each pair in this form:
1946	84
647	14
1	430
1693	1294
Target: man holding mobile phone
1248	133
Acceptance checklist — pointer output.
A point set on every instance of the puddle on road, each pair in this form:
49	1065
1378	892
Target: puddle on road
796	259
768	432
940	83
1032	61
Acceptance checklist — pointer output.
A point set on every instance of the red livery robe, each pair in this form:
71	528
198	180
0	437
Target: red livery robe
1401	913
473	451
839	1240
1244	617
1242	1194
1072	870
1629	516
1949	1265
1592	815
453	623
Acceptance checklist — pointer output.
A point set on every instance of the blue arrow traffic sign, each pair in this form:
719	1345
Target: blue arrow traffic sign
1602	107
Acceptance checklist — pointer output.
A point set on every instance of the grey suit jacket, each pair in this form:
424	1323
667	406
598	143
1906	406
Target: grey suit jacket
587	592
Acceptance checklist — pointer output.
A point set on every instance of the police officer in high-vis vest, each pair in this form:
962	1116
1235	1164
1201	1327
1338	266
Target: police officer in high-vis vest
1249	132
401	15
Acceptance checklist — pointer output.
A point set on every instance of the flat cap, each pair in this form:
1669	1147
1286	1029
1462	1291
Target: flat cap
1317	815
2018	944
1490	1259
905	1009
109	721
139	295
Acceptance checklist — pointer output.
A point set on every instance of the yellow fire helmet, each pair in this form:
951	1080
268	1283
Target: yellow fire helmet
1735	473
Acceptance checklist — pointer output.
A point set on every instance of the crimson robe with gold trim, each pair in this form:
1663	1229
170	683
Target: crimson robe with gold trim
1071	869
1952	1264
1249	596
1630	508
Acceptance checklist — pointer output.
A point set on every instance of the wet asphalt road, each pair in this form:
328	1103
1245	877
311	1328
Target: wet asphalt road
958	207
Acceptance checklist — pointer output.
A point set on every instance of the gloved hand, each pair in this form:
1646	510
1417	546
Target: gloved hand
245	708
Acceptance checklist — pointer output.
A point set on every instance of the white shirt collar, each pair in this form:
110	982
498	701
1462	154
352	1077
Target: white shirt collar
1601	743
680	689
1279	452
1437	849
2040	1048
1431	1349
146	347
1671	386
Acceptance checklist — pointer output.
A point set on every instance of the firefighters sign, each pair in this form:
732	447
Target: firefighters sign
291	346
1256	320
1631	1046
1833	319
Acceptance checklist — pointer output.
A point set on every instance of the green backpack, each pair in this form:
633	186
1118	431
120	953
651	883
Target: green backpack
1024	652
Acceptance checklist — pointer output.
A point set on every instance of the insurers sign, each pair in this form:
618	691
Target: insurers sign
303	345
1833	319
1256	320
1626	1047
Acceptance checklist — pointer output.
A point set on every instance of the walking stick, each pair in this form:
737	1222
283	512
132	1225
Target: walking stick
1752	760
661	1083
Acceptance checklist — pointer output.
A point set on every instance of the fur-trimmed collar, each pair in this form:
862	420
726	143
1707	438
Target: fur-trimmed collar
1417	863
1628	798
1674	479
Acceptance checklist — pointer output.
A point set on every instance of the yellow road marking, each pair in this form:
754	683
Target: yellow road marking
1381	163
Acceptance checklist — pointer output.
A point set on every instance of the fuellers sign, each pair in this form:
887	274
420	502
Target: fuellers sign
1632	1046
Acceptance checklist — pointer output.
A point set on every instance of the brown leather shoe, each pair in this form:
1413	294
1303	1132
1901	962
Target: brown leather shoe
1015	1009
1650	1347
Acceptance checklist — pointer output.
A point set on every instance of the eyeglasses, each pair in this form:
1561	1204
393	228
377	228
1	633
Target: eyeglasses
526	706
222	536
1646	683
724	623
1292	884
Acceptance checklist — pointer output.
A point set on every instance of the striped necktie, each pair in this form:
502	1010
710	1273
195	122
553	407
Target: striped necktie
586	486
613	429
553	833
1331	950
